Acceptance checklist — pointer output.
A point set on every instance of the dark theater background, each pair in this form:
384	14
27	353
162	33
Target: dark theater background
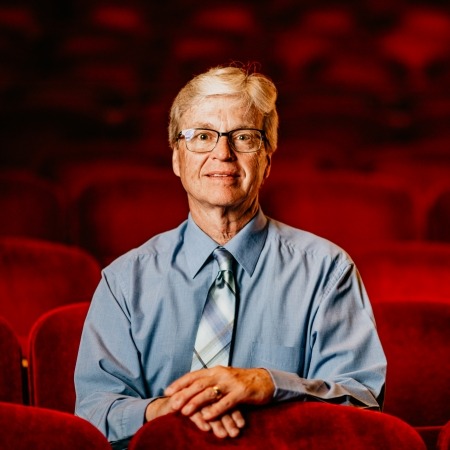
85	169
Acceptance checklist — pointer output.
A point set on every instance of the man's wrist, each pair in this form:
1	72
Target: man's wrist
269	383
153	409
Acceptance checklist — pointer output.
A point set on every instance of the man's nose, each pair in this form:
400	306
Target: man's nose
222	150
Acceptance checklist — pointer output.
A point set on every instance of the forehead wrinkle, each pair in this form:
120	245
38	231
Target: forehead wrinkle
225	110
206	125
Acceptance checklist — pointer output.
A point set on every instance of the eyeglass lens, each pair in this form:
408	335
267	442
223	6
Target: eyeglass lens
242	140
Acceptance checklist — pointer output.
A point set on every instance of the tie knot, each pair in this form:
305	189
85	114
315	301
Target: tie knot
224	258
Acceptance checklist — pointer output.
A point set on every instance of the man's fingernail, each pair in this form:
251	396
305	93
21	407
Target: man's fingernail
240	423
234	432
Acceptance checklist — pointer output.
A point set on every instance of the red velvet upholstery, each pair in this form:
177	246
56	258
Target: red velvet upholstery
287	426
444	437
351	211
77	173
31	207
26	427
439	218
411	271
36	276
116	216
54	342
10	365
416	340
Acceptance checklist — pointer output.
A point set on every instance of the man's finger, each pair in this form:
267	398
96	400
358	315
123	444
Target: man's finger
218	429
238	418
204	397
200	422
230	425
186	380
216	409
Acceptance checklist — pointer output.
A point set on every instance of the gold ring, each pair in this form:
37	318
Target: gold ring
217	392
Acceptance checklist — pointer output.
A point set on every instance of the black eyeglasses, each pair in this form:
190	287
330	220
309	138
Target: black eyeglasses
204	140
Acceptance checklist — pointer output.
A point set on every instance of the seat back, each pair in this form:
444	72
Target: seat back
409	271
31	207
439	217
28	427
416	340
118	215
287	426
54	342
10	365
353	212
37	276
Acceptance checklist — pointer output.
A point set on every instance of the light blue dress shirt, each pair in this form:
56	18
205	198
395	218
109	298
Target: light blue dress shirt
303	314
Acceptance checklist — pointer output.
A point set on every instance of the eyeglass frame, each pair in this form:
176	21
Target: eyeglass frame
226	134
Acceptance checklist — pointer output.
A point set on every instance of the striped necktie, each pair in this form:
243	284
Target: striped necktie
212	345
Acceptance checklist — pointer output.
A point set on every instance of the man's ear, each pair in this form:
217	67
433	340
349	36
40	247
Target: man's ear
176	160
268	166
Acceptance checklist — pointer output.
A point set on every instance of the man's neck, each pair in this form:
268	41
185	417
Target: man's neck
222	224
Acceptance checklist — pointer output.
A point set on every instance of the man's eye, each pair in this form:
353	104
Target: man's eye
202	136
243	137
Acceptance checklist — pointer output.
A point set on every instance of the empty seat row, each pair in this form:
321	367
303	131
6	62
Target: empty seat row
37	276
291	425
120	208
415	337
42	282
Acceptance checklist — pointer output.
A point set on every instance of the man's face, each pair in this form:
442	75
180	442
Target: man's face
221	178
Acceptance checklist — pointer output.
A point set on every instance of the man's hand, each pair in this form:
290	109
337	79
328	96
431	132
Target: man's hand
217	391
209	397
227	425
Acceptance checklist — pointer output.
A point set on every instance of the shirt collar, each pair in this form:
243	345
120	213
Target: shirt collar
245	247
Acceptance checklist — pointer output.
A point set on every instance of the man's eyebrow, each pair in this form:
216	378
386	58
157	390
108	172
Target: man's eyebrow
210	126
203	125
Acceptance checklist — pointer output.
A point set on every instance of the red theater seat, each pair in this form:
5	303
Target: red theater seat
37	276
352	211
31	207
54	342
418	41
287	426
411	271
416	340
27	427
330	113
118	215
10	365
438	219
213	34
310	38
76	175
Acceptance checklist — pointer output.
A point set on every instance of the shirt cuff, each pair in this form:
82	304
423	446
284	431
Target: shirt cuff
287	385
133	416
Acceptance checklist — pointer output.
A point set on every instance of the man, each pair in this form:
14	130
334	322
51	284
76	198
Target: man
293	318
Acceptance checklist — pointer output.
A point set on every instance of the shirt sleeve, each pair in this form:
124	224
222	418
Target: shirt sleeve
345	362
110	387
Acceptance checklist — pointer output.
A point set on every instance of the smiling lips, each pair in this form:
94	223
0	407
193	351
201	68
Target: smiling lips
222	175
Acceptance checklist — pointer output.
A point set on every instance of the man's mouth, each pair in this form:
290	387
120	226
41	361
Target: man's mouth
222	175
